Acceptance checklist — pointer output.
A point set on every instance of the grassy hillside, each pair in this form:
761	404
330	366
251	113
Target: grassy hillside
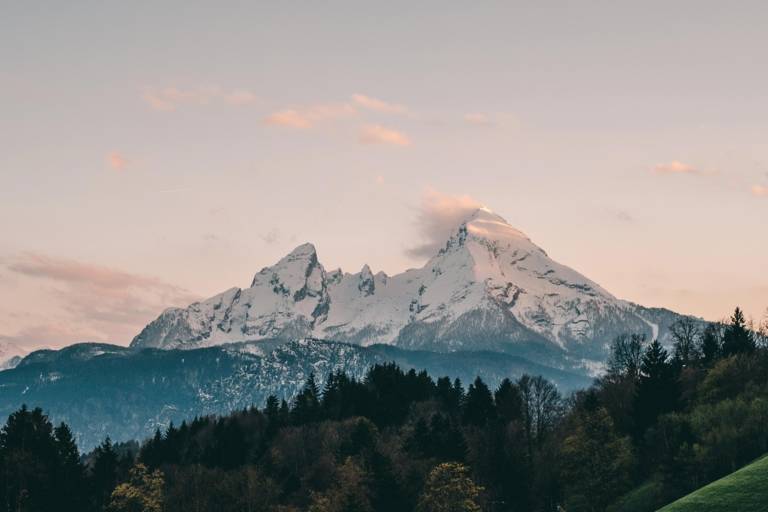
746	490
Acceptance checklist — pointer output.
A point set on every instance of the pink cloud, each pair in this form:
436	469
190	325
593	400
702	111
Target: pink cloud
240	98
307	117
438	216
94	300
759	191
169	99
117	161
676	167
377	134
478	119
378	105
289	118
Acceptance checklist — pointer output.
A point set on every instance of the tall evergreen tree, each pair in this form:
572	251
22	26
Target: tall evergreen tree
69	478
737	338
478	404
657	390
38	464
104	473
509	402
306	406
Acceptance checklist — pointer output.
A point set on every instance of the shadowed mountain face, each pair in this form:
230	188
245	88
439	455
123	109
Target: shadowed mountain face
488	288
104	390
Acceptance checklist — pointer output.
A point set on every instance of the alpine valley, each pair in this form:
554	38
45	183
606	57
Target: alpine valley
489	303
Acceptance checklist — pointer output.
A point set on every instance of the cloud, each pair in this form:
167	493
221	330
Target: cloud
676	167
104	303
169	99
46	335
377	134
117	161
623	216
378	105
271	237
759	191
478	119
439	215
289	118
304	118
240	97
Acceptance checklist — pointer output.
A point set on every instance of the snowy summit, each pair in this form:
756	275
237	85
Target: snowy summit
488	288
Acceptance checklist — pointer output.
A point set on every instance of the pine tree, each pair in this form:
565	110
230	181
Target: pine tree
306	406
737	338
478	404
657	389
509	402
30	462
69	477
104	473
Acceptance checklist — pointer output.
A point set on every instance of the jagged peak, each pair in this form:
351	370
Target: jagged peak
490	229
305	250
487	224
299	262
366	284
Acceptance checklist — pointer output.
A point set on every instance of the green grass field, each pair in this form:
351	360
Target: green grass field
746	490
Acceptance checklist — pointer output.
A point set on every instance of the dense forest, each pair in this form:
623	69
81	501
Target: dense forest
657	425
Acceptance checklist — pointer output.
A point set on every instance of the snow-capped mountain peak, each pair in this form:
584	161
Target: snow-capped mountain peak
488	287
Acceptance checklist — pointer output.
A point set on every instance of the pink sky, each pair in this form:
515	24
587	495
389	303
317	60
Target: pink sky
151	157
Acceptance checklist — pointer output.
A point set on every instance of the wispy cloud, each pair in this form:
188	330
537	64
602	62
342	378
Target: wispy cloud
47	335
271	237
759	191
438	216
623	216
378	105
478	119
676	167
289	118
169	99
377	134
103	302
117	161
303	118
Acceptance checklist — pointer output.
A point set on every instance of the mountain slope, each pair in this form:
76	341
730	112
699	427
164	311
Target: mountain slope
489	288
102	390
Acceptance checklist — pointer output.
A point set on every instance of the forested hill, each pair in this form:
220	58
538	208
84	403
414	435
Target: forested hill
658	423
101	390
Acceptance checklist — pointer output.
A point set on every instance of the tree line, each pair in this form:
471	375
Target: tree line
656	426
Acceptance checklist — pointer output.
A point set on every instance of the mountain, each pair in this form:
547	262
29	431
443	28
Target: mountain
106	390
11	354
489	288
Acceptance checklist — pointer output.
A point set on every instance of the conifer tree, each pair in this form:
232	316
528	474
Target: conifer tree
657	389
478	404
737	338
509	402
104	472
